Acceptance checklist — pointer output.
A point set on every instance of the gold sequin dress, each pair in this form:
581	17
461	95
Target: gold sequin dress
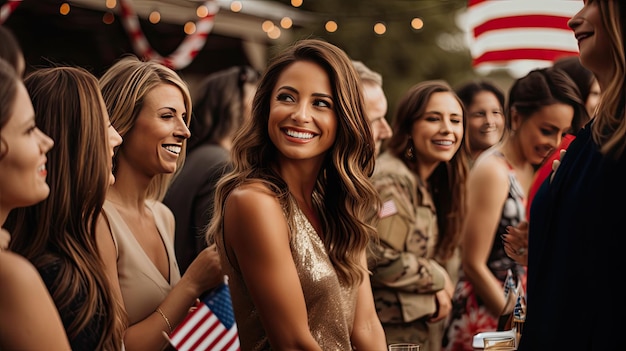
330	304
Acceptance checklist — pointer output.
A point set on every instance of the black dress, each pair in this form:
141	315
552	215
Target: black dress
87	339
576	252
190	198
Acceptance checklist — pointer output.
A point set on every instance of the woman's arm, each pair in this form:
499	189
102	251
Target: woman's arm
367	332
257	235
203	273
487	191
5	239
391	264
29	318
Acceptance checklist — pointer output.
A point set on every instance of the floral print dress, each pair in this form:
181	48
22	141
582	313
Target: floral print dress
469	315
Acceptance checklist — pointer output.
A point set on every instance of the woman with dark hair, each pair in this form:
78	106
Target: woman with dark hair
576	232
589	90
293	220
542	106
421	180
484	103
69	107
220	109
29	319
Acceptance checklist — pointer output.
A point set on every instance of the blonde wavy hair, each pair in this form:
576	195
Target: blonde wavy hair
124	88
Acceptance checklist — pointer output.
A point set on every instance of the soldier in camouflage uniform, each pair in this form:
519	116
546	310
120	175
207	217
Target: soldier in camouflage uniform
419	185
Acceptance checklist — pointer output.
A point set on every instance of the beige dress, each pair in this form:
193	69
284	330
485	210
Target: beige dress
142	284
330	305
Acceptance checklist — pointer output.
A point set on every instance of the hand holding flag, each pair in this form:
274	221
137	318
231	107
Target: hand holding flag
211	326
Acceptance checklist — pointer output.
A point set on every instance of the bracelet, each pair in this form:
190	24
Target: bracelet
167	321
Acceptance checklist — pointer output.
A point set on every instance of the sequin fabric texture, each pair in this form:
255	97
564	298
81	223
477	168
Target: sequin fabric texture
330	304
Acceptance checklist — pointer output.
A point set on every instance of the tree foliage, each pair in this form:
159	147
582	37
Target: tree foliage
403	55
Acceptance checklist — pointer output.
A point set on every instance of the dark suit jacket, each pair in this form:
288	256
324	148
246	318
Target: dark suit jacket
190	197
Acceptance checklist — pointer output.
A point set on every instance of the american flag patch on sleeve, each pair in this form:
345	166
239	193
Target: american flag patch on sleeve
389	208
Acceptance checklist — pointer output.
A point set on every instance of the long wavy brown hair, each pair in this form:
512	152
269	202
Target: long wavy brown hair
448	182
609	126
343	195
61	229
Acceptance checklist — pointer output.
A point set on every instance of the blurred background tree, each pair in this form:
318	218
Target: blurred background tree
402	54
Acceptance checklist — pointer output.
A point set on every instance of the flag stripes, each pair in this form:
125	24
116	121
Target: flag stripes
210	327
519	33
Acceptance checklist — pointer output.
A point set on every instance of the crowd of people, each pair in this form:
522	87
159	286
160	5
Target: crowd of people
123	200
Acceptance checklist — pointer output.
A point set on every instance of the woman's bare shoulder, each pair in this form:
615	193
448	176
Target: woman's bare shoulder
256	193
489	168
253	209
16	272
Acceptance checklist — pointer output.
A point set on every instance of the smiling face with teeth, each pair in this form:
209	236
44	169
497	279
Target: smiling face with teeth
542	131
302	121
155	141
438	132
594	43
23	149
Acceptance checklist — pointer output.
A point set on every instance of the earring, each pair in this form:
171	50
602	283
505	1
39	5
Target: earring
409	153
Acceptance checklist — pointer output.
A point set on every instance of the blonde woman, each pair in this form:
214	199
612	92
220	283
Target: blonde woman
150	107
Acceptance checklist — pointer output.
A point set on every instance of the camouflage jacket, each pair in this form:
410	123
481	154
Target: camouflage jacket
405	273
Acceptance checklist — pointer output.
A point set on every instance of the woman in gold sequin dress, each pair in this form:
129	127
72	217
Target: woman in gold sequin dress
292	220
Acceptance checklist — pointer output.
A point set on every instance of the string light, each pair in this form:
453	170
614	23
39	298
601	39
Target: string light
274	33
267	26
154	17
110	4
202	11
331	26
190	28
64	9
296	3
108	17
380	28
236	6
417	23
286	22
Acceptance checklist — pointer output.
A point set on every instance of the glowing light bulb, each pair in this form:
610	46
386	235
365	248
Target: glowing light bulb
155	17
64	9
331	26
286	22
380	28
190	28
417	23
236	6
267	26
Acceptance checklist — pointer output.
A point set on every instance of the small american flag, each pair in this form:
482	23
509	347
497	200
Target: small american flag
210	327
389	208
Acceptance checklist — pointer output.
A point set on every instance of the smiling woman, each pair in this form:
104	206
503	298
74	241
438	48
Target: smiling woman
292	220
542	106
421	179
150	106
